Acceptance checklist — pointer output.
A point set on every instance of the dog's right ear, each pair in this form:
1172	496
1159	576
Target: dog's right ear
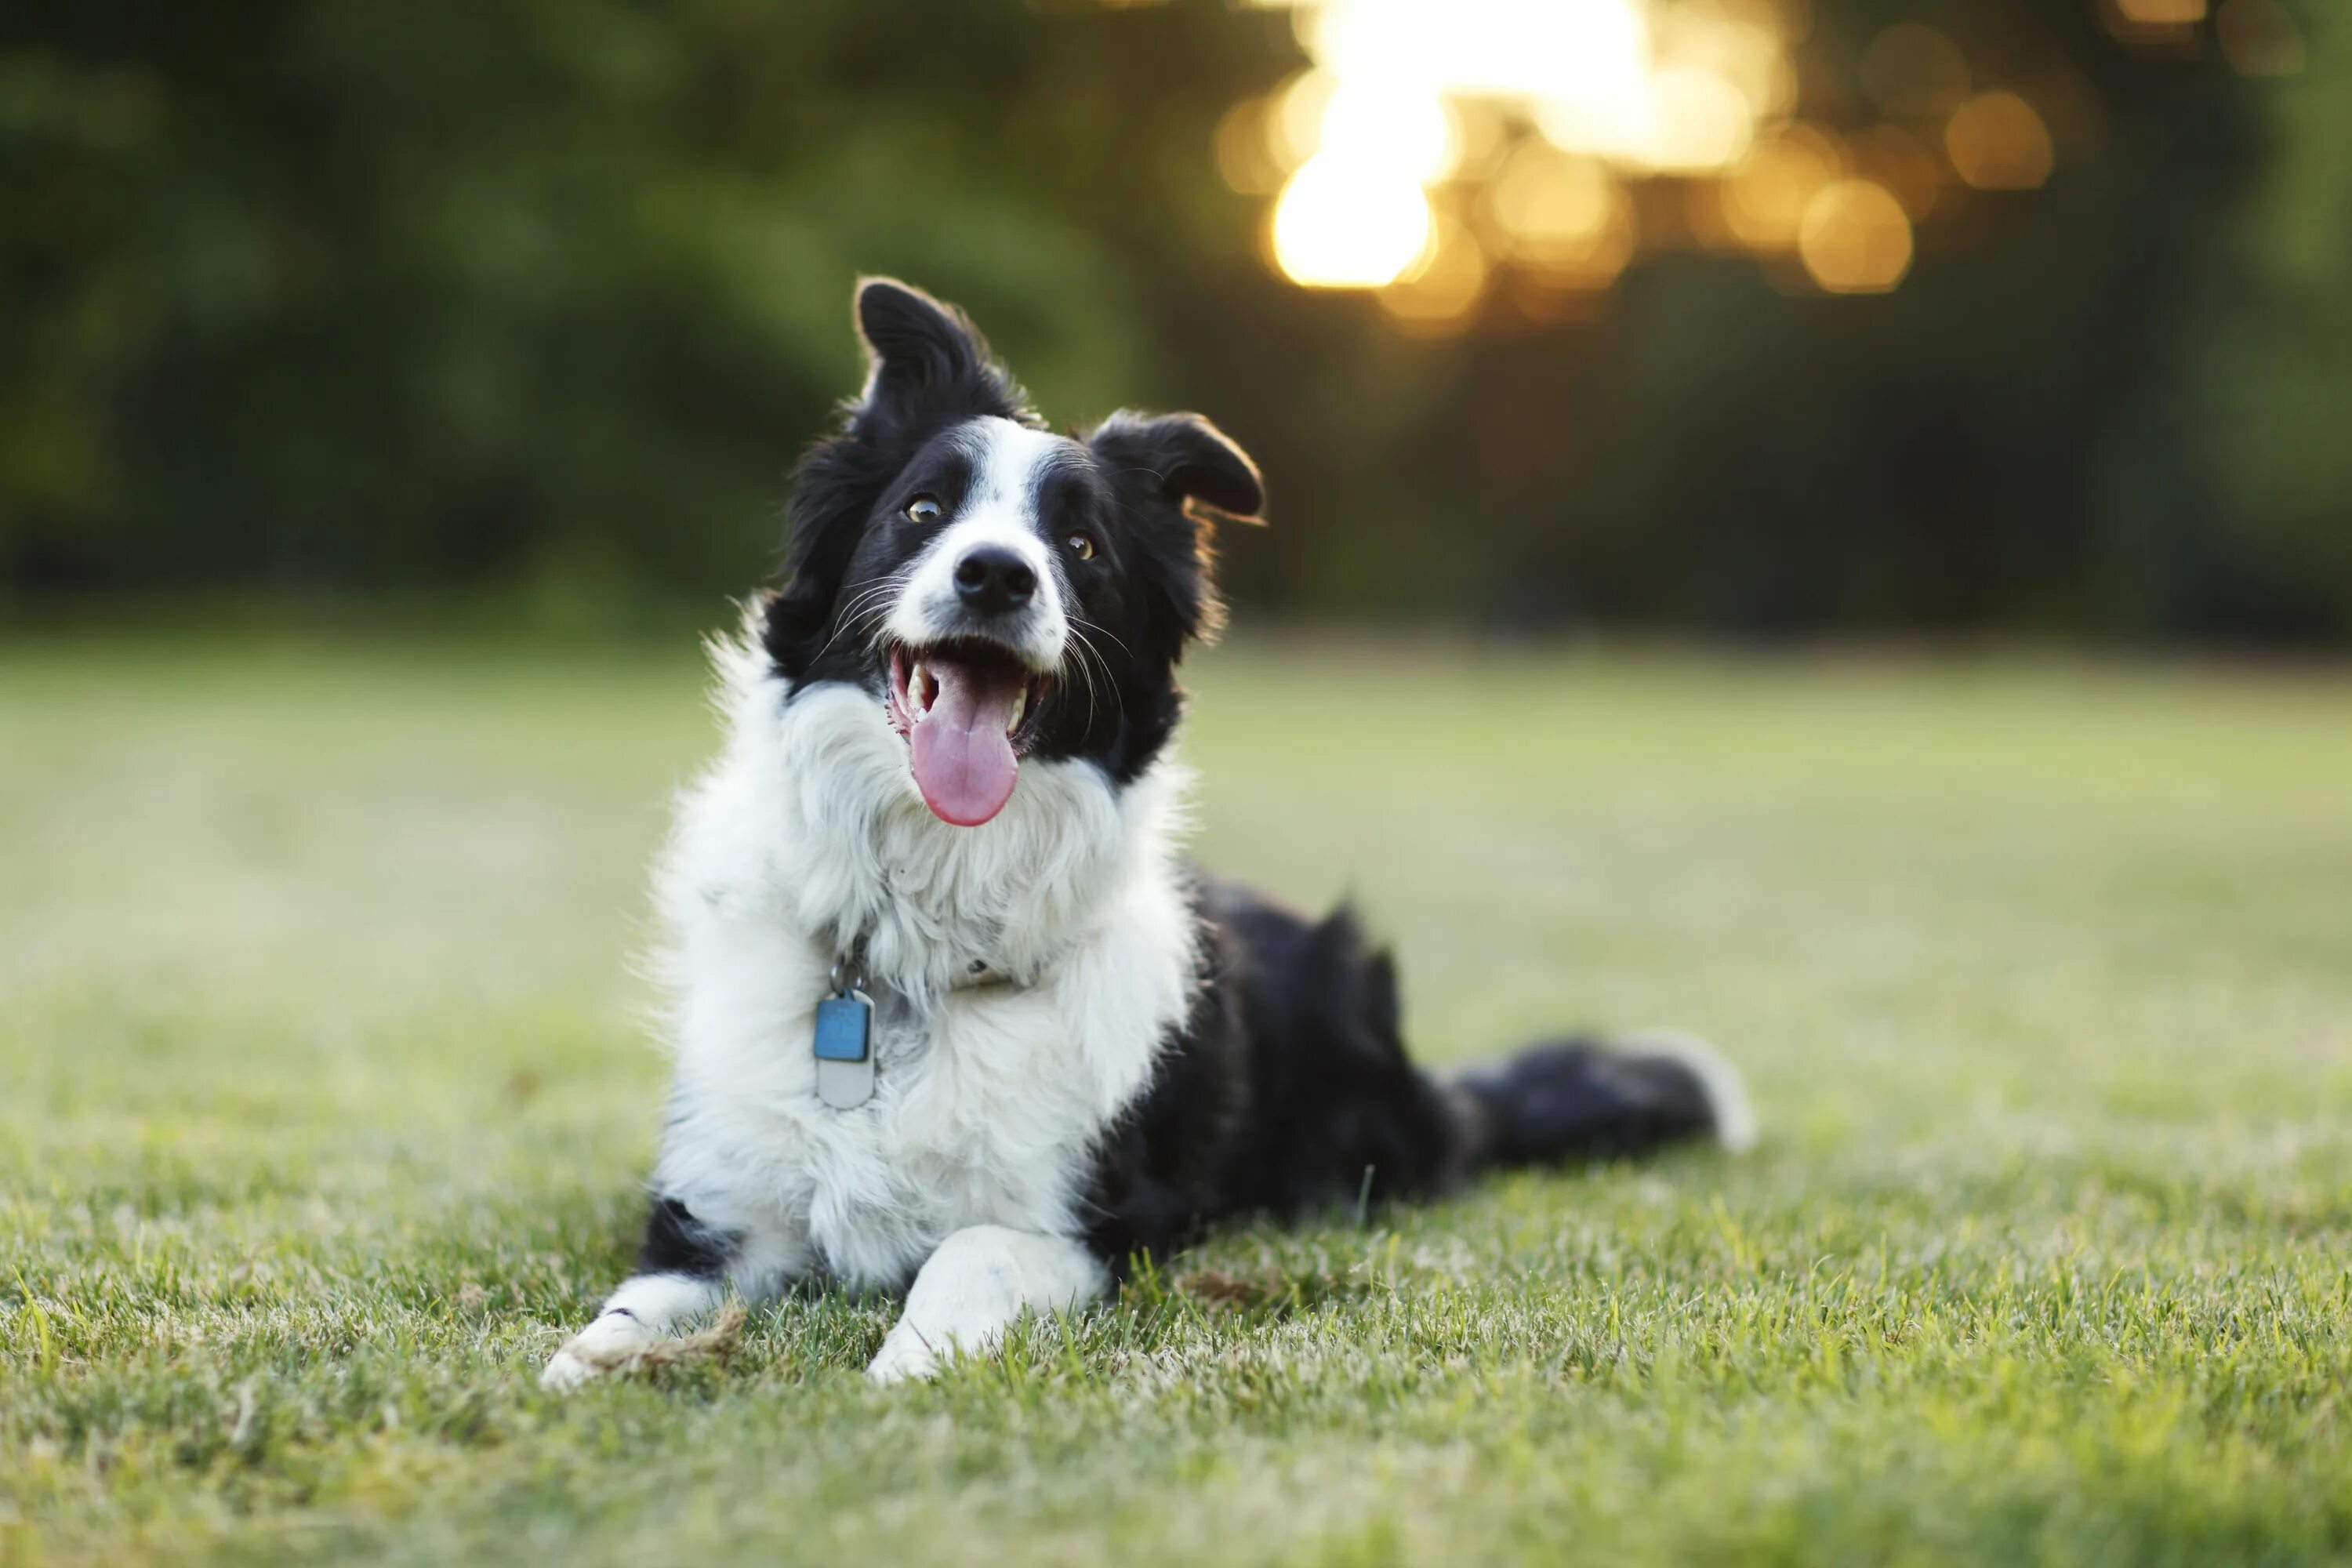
927	365
1186	458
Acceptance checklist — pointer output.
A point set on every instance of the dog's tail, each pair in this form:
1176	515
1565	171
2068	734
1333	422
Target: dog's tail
1559	1101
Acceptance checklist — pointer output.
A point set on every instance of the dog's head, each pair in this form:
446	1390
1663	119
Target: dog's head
1004	592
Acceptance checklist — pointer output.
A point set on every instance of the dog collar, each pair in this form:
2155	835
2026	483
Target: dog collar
842	1040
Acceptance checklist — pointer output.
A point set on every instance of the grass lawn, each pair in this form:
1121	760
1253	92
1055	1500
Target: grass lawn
324	1095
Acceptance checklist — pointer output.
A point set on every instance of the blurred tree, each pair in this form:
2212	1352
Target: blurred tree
363	292
2277	372
369	295
2025	435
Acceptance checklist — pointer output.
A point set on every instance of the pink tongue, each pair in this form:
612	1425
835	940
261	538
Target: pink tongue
963	760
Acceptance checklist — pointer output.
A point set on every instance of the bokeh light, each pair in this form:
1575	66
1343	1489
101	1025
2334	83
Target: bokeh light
1350	224
1699	119
1763	200
1997	142
1552	206
2161	13
1446	283
1594	266
1401	130
1245	155
1593	52
1296	130
2259	38
1432	146
1855	239
1903	163
1408	93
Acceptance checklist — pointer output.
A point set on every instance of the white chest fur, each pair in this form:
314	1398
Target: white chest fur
988	1099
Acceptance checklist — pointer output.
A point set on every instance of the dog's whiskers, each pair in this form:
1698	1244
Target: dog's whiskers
1085	651
1106	631
869	601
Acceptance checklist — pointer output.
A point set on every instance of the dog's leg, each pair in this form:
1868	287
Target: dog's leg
683	1267
978	1282
643	1309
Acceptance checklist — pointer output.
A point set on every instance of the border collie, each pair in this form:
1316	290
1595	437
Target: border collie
951	1014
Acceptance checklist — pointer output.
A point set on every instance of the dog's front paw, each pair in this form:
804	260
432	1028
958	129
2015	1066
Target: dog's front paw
610	1343
567	1371
904	1357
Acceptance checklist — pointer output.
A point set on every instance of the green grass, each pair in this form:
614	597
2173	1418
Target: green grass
326	1095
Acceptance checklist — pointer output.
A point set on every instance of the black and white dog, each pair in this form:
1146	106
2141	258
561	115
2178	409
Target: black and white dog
951	1014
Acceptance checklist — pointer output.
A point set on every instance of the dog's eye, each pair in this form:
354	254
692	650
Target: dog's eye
1081	546
923	508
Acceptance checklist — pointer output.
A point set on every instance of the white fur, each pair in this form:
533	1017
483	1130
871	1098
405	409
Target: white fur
999	510
988	1099
976	1284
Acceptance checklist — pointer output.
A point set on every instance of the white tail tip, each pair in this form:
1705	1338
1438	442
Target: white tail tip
1727	1091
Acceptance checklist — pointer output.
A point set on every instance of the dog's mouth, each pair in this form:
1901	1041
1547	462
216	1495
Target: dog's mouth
968	710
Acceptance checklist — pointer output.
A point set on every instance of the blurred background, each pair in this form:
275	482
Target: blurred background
390	388
1753	320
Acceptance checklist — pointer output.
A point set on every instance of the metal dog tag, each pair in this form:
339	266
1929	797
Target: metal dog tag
844	1047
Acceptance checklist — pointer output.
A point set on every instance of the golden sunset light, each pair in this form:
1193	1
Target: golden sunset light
1602	90
1431	146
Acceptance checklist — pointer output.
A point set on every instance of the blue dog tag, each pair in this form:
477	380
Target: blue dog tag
844	1047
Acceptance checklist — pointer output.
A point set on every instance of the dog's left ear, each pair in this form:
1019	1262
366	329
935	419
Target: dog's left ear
927	367
927	364
1185	457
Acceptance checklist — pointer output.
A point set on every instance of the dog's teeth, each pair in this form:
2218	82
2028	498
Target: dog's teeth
1020	706
916	680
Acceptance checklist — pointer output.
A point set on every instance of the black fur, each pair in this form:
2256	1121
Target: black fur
1289	1090
1289	1087
678	1243
1576	1096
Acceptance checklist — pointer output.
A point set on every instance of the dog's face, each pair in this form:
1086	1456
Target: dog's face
1004	592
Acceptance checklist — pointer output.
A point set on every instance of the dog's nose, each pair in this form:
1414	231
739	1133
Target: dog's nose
990	580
